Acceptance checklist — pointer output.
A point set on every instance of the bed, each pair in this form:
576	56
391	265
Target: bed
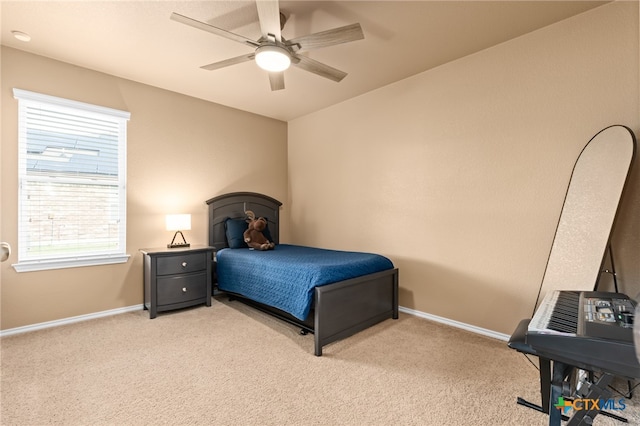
351	298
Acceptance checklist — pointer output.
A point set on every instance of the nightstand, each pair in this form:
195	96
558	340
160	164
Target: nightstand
177	278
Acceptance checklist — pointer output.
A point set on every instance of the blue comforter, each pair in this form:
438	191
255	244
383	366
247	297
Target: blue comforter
286	276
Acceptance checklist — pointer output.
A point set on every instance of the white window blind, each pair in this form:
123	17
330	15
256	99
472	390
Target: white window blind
72	183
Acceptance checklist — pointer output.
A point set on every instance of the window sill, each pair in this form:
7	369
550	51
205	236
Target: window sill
76	262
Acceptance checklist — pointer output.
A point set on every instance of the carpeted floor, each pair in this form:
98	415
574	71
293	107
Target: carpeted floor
231	365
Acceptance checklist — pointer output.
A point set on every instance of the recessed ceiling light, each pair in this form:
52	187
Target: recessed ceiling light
21	36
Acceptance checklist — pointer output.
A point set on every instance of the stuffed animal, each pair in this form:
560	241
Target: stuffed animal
253	236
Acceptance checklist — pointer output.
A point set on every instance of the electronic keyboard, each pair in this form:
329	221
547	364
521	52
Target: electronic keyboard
589	330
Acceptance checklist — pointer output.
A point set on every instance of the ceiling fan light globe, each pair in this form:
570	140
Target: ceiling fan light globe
272	58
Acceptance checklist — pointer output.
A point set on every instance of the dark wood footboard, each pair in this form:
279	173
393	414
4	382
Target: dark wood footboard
347	307
344	308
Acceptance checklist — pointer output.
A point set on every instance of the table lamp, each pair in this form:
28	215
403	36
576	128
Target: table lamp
178	223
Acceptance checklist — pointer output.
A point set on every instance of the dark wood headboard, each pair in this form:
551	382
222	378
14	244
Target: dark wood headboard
233	205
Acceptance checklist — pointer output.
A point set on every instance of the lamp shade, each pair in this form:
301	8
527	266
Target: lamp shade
178	222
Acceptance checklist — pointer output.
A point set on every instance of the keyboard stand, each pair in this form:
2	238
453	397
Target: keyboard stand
545	386
517	342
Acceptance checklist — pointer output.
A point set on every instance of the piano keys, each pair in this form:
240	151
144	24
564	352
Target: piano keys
558	313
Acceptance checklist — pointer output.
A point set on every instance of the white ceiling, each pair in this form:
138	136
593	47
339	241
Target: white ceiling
136	40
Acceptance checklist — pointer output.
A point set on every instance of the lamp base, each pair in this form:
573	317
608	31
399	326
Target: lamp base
183	244
178	245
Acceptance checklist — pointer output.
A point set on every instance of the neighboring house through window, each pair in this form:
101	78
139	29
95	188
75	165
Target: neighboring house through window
72	183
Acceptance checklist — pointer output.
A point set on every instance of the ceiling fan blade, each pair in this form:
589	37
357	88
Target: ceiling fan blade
214	30
332	37
319	68
228	62
277	80
269	16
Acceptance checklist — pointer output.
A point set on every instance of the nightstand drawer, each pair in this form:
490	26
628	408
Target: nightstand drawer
184	263
182	288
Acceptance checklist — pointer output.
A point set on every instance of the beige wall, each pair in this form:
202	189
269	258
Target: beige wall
458	174
181	152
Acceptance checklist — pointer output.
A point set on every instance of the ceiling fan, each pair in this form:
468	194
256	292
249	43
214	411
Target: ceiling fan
275	54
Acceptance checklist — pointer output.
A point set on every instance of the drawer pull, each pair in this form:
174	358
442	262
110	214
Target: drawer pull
184	289
184	264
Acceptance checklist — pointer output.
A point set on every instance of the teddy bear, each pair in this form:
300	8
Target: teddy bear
253	236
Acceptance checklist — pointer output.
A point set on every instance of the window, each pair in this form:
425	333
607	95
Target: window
72	176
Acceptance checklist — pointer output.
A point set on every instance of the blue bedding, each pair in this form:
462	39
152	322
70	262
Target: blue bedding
285	277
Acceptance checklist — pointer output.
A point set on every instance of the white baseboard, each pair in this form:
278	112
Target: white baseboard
70	320
457	324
